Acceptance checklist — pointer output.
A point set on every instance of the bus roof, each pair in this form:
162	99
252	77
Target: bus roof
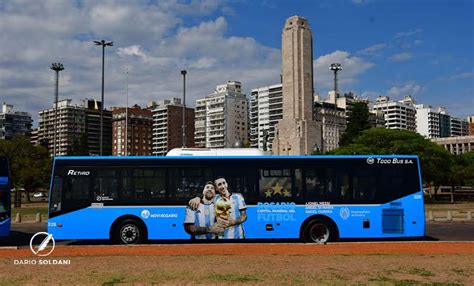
232	157
216	152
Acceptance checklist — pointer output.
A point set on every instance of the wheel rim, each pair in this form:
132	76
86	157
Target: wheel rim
319	233
129	233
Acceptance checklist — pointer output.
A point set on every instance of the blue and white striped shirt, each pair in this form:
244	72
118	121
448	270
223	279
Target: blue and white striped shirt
204	216
237	204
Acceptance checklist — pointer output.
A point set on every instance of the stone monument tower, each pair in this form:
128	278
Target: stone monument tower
297	133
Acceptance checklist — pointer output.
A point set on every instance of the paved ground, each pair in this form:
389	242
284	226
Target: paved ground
435	231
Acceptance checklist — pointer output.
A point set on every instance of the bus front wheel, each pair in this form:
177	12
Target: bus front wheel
129	232
320	231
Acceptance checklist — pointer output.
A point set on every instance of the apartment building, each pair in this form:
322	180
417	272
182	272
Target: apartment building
397	114
266	109
14	123
222	117
168	126
132	131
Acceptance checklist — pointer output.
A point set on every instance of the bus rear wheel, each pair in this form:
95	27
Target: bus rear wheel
129	232
320	231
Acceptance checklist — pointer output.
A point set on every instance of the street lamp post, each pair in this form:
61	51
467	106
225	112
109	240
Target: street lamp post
102	43
335	67
126	122
183	72
57	67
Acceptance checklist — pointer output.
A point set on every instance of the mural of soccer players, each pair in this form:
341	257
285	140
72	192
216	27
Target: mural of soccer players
201	222
230	210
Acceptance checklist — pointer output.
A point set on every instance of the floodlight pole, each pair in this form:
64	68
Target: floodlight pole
102	43
57	67
183	72
335	67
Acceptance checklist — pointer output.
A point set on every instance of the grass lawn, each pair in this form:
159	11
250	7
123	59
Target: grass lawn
247	269
28	211
461	206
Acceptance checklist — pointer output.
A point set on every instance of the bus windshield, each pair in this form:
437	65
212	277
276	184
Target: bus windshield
4	206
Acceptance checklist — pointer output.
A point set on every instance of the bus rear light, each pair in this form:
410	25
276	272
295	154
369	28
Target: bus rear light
60	225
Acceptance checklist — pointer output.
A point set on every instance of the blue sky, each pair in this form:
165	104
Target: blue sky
429	44
423	48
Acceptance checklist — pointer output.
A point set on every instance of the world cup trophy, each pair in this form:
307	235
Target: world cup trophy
222	208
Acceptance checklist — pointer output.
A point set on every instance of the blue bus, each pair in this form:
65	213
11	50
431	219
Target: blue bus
5	197
312	198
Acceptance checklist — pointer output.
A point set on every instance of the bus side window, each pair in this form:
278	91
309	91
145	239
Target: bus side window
150	183
126	187
345	187
315	187
188	182
275	185
364	188
106	185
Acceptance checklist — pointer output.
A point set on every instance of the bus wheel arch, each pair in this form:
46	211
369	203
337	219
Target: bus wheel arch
131	224
320	223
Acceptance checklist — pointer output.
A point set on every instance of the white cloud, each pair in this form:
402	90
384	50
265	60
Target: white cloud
352	67
418	42
465	75
150	40
133	50
396	92
373	49
370	94
408	33
409	88
400	57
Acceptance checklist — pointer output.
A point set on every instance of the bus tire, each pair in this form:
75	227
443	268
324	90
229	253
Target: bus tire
130	231
320	231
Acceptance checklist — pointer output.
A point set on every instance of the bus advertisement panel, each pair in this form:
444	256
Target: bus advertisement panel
5	195
313	198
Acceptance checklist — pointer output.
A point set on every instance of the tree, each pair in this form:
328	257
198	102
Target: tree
30	165
436	162
463	171
358	121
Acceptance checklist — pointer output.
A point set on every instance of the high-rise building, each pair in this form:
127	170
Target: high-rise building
459	127
168	126
333	124
132	131
397	114
222	117
92	121
74	122
432	123
297	133
376	119
266	109
14	123
70	126
470	124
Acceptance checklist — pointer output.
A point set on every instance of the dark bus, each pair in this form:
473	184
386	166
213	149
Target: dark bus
5	197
